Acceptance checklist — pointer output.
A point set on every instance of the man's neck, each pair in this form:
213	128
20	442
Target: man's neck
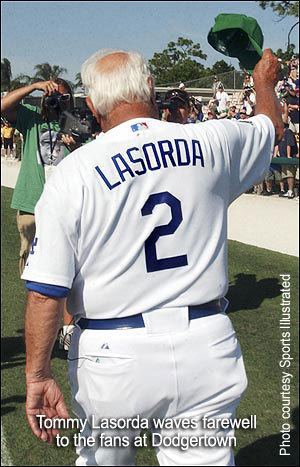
125	112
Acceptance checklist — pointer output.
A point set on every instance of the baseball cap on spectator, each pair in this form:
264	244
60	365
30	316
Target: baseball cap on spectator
220	86
212	112
177	94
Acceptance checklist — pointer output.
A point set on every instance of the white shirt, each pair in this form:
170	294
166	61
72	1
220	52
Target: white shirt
246	104
223	98
137	220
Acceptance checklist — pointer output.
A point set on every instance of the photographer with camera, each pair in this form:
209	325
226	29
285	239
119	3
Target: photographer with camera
43	148
248	99
176	106
291	97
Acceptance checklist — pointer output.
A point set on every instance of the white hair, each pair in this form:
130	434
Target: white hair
129	82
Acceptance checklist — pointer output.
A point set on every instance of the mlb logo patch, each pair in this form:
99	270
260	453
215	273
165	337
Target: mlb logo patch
139	126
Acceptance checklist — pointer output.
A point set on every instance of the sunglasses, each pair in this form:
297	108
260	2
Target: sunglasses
65	97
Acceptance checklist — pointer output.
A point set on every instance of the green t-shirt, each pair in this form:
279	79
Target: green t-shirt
31	179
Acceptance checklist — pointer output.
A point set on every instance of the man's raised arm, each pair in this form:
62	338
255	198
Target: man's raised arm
10	101
265	76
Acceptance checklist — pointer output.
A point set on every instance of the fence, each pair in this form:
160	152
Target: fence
231	80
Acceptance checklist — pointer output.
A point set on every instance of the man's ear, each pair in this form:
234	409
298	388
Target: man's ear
92	109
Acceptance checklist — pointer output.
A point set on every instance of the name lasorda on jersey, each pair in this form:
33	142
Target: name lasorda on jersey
155	156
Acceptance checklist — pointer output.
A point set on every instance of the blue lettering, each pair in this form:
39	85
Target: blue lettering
138	172
166	152
188	159
127	168
199	155
34	244
148	157
105	179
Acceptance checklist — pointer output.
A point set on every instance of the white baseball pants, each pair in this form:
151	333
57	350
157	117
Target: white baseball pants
172	368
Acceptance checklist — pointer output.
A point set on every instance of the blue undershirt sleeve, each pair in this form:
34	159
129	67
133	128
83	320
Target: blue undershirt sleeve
50	290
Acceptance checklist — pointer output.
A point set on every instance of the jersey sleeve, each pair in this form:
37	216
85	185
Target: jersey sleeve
250	147
52	259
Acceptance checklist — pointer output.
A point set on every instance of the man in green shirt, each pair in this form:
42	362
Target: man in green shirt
39	128
43	149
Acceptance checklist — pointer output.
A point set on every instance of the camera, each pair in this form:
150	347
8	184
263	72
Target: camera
172	105
54	101
78	123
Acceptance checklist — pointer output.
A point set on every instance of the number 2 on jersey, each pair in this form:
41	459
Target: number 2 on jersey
152	262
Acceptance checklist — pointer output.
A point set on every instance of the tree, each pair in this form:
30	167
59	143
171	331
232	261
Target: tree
282	9
286	55
6	75
19	81
177	63
78	81
221	67
45	72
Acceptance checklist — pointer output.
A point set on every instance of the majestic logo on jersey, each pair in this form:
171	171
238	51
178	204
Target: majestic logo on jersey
104	347
139	126
34	244
151	157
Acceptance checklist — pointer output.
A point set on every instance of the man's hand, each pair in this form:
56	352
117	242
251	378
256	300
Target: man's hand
42	318
267	69
70	142
44	398
48	87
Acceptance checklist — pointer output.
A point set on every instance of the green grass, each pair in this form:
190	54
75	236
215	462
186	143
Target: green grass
255	311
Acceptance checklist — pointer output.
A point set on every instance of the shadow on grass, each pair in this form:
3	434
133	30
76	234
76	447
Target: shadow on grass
12	350
5	409
248	294
265	451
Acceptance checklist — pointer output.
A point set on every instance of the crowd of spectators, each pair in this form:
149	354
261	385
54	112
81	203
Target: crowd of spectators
282	179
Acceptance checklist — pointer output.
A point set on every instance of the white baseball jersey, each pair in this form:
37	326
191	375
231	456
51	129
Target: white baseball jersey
137	219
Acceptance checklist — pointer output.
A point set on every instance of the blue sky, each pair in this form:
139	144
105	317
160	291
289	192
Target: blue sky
67	33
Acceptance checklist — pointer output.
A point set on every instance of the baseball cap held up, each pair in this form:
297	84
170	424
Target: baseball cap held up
237	36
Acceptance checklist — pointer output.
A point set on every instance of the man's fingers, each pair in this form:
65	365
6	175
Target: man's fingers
50	87
62	410
267	52
36	430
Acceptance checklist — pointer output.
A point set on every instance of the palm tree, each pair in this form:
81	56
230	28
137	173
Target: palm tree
20	80
78	82
5	75
45	72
